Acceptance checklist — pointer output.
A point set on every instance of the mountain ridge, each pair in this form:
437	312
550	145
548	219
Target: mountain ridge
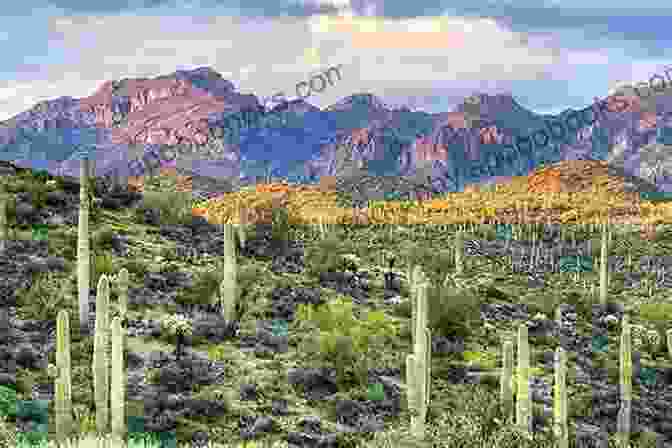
126	123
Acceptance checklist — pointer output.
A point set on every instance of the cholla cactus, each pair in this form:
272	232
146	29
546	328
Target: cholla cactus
180	326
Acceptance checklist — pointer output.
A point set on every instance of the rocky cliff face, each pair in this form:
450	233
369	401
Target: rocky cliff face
131	121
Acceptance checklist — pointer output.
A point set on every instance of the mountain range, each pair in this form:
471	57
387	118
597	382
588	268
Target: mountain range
129	126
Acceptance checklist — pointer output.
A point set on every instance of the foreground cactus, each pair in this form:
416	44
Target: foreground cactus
4	224
625	370
100	355
418	371
62	378
228	288
604	276
83	249
122	286
117	381
560	399
459	252
505	391
669	342
523	401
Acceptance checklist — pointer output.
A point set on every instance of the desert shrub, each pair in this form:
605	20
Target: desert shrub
659	315
102	239
103	264
206	286
280	227
341	338
452	312
44	298
135	267
327	256
7	401
173	207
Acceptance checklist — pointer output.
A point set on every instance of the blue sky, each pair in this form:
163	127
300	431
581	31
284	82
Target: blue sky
550	55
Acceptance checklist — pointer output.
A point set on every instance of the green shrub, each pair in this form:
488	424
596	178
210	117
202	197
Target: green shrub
341	338
451	312
44	298
137	268
206	285
280	226
7	401
659	315
102	239
173	207
327	256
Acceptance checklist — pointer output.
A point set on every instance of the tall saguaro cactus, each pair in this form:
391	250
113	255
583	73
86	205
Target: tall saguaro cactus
100	355
83	248
62	374
4	223
625	370
523	401
560	399
418	365
122	286
604	277
505	389
117	380
228	288
459	252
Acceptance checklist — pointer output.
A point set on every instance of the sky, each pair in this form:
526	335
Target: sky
426	54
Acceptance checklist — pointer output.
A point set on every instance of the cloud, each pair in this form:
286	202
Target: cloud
265	56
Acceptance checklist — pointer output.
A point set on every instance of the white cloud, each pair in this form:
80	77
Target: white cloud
265	56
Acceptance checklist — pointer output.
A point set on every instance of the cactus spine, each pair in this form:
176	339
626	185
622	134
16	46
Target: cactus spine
625	364
560	399
100	360
604	276
418	372
83	249
523	402
505	389
62	378
459	252
228	288
117	380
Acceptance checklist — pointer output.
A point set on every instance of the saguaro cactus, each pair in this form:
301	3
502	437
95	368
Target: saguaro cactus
228	288
416	276
100	356
604	277
505	390
4	223
61	372
418	371
459	252
523	401
122	286
83	249
560	399
625	370
117	380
